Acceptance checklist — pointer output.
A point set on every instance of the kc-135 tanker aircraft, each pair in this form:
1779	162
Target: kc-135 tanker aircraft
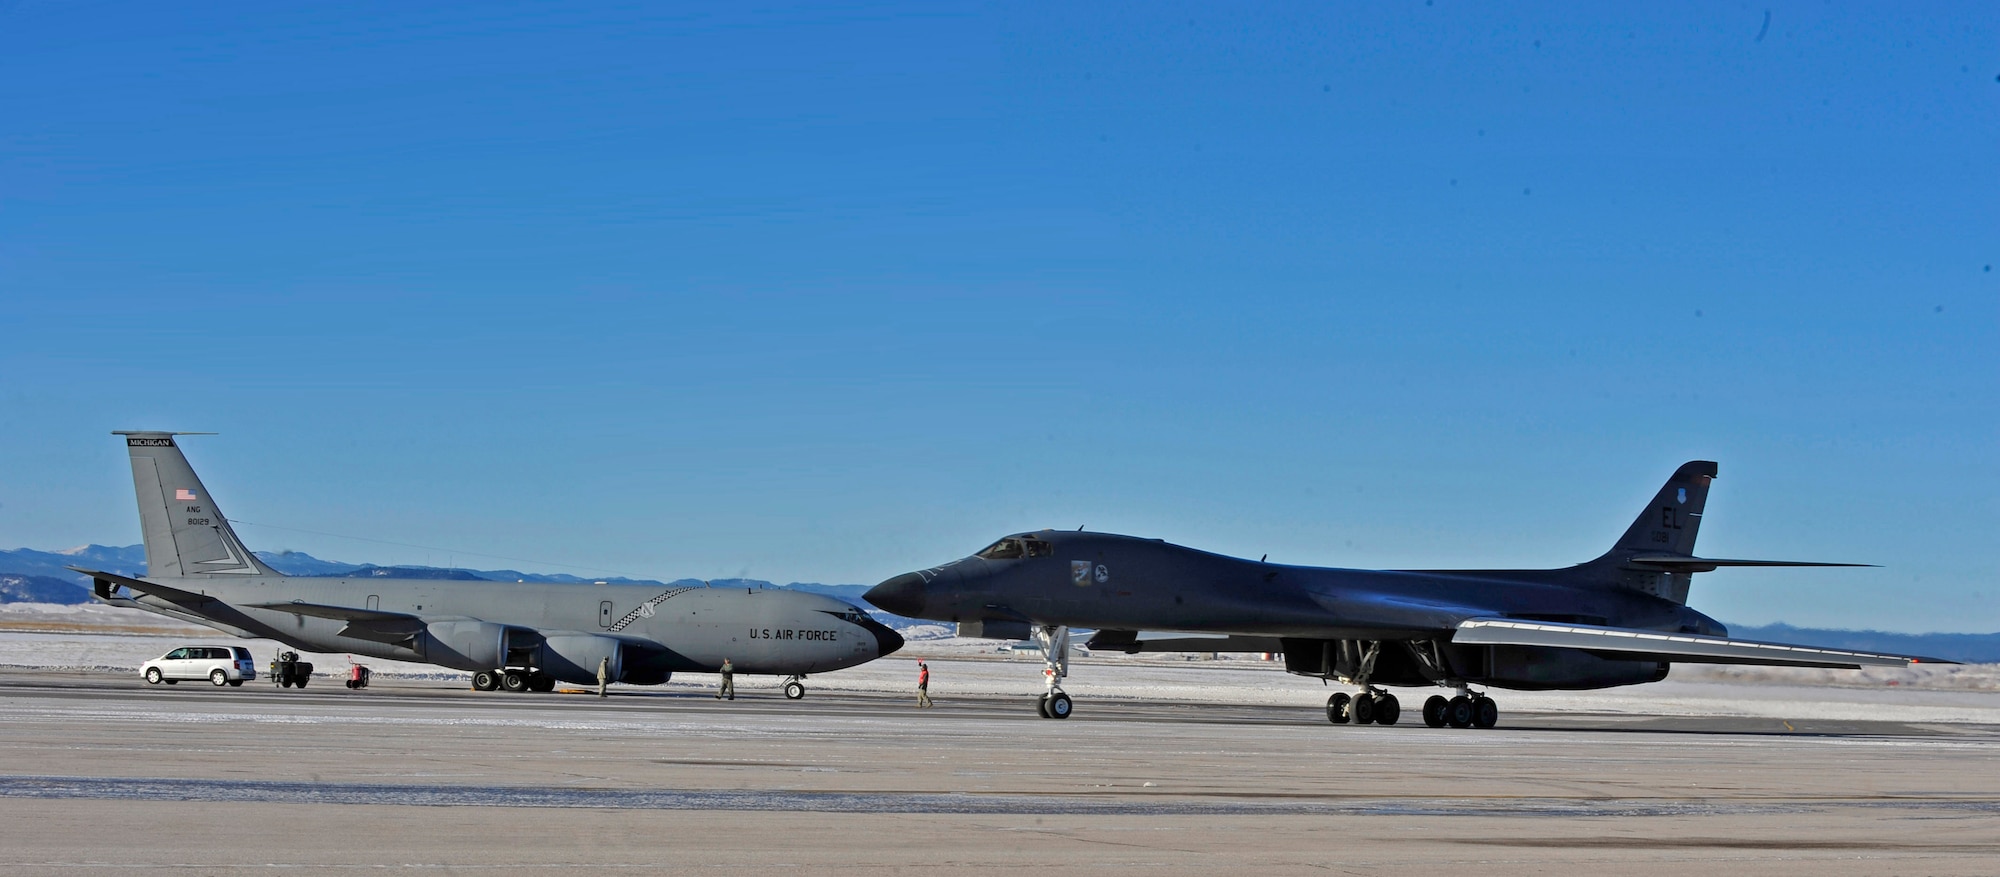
1621	619
518	636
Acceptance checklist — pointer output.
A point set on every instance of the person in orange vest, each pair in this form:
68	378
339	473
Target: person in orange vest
923	685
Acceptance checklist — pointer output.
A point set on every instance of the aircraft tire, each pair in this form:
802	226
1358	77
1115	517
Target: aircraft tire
301	681
1059	706
235	683
1434	710
485	680
794	691
513	682
219	678
1336	708
1387	709
541	682
173	681
1362	709
1460	713
1485	713
153	676
1042	706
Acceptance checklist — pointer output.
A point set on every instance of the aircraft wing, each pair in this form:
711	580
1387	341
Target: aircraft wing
1652	645
373	625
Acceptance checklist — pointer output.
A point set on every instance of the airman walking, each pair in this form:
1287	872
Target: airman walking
728	688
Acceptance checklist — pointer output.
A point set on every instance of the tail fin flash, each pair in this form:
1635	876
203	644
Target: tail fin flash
1666	527
186	534
1669	523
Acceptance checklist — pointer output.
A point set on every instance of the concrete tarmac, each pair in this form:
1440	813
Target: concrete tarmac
101	773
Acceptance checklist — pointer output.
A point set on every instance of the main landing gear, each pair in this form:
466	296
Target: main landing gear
1467	710
513	680
795	687
1371	706
1054	703
1375	706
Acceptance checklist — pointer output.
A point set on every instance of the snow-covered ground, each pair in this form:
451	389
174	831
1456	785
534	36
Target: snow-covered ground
113	640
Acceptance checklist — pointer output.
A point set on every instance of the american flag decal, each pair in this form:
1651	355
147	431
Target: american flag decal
184	495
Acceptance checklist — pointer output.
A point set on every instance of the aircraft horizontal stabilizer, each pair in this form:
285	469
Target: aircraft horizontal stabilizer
1685	563
1653	645
171	595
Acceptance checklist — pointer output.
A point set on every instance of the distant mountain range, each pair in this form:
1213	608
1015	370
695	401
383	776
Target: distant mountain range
27	575
47	577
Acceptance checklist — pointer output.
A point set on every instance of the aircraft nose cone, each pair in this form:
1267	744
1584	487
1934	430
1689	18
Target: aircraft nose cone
902	595
886	639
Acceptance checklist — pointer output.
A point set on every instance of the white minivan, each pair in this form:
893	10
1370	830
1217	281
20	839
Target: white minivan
222	665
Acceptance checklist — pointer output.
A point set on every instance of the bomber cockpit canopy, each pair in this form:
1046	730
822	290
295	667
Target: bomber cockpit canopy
1017	546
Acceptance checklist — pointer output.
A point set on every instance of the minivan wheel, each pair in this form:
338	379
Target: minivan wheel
152	675
219	678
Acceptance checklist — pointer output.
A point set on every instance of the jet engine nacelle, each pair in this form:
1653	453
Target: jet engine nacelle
576	657
1539	668
466	645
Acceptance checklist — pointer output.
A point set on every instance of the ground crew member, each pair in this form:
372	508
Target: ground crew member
603	676
923	685
728	689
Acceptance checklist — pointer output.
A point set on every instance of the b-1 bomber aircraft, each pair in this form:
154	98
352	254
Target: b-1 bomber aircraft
1621	619
518	636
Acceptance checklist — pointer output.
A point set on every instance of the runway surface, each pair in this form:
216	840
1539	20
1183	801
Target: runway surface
100	773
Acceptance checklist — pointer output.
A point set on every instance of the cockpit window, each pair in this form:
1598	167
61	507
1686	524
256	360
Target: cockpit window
1017	546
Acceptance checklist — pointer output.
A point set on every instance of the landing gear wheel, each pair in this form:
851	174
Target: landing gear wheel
1042	706
1460	713
514	682
541	682
350	683
301	681
219	678
1485	713
1362	709
152	675
794	691
485	680
235	683
1435	709
1336	708
1387	709
1058	706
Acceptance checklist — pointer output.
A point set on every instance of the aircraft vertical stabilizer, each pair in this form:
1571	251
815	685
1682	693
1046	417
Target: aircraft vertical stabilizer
186	535
1666	526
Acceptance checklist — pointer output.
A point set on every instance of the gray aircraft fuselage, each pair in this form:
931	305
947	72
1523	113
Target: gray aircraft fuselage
198	570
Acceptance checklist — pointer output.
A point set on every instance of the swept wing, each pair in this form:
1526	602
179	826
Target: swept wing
1644	645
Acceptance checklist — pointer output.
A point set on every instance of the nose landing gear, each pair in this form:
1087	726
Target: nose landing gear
1054	640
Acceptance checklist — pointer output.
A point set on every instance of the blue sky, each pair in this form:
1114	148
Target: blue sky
827	293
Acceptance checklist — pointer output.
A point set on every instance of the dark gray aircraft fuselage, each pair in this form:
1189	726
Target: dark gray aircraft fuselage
1620	619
